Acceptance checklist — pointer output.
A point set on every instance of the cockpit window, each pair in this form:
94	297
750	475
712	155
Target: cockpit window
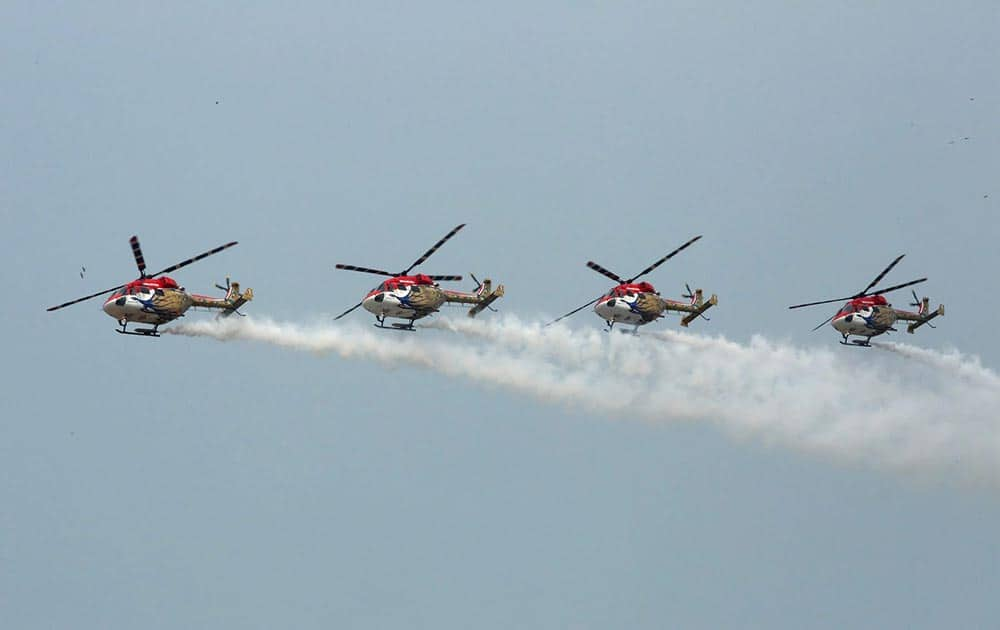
848	308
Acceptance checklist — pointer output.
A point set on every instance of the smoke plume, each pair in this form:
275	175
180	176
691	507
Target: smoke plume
895	406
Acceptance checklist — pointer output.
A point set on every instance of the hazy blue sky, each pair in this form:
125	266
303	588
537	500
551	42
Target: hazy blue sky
185	483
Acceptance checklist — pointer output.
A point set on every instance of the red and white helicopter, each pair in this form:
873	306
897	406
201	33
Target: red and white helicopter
408	297
868	314
638	303
157	300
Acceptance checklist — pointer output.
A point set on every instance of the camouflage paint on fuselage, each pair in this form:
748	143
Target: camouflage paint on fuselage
417	296
873	315
639	303
160	300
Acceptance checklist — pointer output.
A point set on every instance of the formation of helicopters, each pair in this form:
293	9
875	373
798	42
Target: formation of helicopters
155	299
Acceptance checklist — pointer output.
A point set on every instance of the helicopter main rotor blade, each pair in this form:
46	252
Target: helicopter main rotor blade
604	272
446	278
433	249
187	262
55	308
664	259
575	310
864	291
843	299
825	322
378	272
348	311
140	262
875	292
899	286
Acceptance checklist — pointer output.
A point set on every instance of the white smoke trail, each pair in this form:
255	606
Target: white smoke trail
909	408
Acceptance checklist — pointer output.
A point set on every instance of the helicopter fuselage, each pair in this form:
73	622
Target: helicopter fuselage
638	303
873	315
157	299
868	314
635	304
405	297
148	301
414	297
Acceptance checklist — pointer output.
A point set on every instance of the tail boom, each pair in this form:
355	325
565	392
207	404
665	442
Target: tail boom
695	309
228	304
921	319
484	296
699	308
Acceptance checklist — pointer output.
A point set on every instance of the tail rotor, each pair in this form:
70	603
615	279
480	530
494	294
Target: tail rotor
230	289
693	297
922	306
479	286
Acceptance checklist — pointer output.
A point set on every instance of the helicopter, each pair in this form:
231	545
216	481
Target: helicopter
411	297
638	303
868	314
157	299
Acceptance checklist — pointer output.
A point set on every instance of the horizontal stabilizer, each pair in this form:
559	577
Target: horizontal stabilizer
480	300
228	304
486	297
700	308
923	320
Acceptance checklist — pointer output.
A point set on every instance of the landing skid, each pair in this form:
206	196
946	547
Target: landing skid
407	327
634	332
139	332
867	343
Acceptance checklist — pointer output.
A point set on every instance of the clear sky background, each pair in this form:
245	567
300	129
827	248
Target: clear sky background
185	483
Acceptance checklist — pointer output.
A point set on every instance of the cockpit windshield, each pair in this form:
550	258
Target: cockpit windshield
848	308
